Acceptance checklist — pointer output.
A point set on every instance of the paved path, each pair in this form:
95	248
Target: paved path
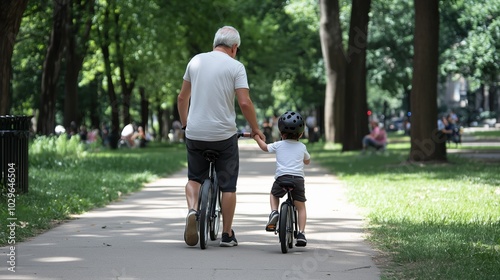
141	237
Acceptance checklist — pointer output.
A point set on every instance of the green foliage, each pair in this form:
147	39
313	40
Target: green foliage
67	177
28	57
434	221
390	46
475	52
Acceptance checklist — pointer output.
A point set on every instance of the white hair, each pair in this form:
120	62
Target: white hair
227	36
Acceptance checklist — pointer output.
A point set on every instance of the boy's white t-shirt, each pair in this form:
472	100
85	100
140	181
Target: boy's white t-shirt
290	156
214	78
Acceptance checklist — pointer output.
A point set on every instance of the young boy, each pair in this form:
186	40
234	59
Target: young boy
291	155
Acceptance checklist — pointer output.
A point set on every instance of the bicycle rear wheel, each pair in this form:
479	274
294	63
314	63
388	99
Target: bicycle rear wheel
216	214
204	220
286	228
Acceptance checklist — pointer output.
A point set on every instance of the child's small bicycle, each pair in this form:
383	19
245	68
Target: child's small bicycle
287	228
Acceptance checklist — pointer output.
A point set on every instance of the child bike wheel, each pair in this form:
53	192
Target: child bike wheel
285	228
215	222
206	194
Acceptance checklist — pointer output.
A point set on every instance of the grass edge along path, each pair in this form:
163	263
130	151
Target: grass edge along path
429	221
66	179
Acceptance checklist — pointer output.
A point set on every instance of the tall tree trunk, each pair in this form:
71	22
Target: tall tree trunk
11	14
492	97
95	115
114	134
356	120
81	18
496	101
144	108
159	111
425	143
127	86
52	68
497	108
333	54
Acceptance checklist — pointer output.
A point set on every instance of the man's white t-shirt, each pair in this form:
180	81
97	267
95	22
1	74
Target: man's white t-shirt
290	156
214	77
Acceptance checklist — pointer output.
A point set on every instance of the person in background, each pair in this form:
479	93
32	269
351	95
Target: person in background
376	139
311	128
83	133
177	131
139	137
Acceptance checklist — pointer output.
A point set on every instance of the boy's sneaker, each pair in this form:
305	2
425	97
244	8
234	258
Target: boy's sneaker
227	241
301	240
273	219
191	230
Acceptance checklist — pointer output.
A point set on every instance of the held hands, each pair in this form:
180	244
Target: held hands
258	134
261	141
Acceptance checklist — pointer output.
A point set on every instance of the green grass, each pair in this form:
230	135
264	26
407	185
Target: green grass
493	133
435	221
67	178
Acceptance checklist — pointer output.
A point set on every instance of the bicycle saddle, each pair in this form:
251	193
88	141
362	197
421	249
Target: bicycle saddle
288	185
210	155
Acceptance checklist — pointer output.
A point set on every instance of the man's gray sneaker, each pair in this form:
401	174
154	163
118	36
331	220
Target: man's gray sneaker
227	241
191	230
273	219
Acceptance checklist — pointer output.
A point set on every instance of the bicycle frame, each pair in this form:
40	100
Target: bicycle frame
209	208
209	203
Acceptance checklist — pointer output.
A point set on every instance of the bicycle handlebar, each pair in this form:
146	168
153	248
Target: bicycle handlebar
244	134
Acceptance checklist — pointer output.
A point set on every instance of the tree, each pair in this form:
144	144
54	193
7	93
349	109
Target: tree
333	54
355	120
471	47
104	43
425	145
81	13
52	67
390	54
11	12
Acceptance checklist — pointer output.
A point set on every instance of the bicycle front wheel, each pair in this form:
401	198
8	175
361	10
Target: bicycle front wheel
216	214
204	220
285	228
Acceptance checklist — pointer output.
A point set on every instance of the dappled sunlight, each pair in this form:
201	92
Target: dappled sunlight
165	241
57	259
91	235
258	160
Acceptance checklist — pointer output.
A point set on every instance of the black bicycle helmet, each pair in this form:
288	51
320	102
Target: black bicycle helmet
291	122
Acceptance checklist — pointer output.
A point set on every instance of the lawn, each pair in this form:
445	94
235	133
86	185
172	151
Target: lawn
66	178
429	221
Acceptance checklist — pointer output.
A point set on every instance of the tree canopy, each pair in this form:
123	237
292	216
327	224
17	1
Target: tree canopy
139	50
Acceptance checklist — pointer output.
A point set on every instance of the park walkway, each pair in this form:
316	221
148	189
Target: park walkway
141	237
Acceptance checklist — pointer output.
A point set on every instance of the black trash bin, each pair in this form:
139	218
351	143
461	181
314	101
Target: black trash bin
14	137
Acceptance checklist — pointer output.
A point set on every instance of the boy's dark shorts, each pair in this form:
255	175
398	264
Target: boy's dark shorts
227	164
298	194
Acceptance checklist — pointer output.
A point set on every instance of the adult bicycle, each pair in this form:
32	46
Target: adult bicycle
287	228
209	212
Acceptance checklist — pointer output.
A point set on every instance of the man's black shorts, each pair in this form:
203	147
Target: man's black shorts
227	164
